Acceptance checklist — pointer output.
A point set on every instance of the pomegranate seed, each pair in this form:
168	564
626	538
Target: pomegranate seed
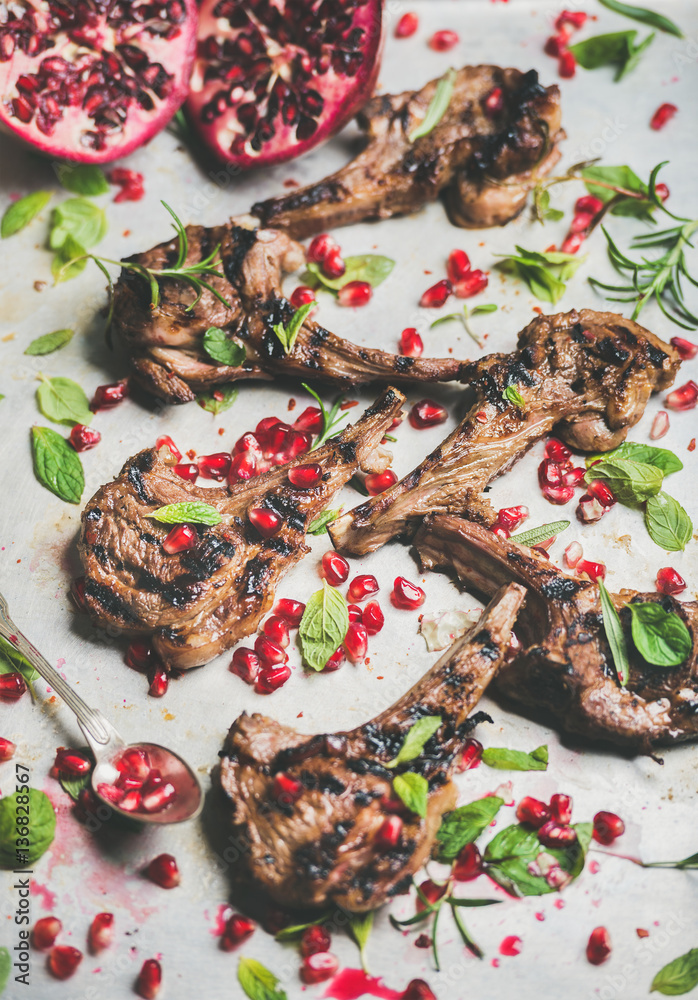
107	396
305	477
319	967
335	661
159	683
379	482
557	44
63	961
588	203
362	587
669	581
165	441
156	800
662	115
431	892
607	827
270	679
558	494
237	930
313	940
407	25
187	470
149	979
335	568
242	468
594	570
573	553
267	522
319	247
276	629
83	438
581	222
354	612
389	833
101	932
265	428
602	493
554	834
686	350
355	293
494	102
245	664
662	191
131	801
572	243
372	617
532	811
134	762
660	426
356	642
458	265
683	398
472	752
290	610
269	652
333	266
302	296
214	466
286	789
407	595
437	295
468	864
71	762
310	420
577	18
598	946
417	989
45	932
512	517
427	413
77	592
574	476
164	872
181	538
7	750
590	509
12	687
247	443
472	284
561	809
411	344
557	451
549	473
443	41
567	67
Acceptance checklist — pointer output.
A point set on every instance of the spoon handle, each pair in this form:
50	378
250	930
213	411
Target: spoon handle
91	721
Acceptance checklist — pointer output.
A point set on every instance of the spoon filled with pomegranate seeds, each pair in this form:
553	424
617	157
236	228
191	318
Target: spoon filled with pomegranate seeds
144	781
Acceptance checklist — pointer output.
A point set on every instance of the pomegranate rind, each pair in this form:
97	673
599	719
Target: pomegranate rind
219	81
69	139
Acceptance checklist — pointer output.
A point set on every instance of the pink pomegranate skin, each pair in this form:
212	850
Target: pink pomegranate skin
109	86
268	88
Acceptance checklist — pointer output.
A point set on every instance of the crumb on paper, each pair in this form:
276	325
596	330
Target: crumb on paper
624	542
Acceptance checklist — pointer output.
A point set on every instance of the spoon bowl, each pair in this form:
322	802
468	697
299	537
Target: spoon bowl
187	802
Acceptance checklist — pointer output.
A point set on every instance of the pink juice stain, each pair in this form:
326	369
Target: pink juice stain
594	867
350	984
511	946
559	904
48	898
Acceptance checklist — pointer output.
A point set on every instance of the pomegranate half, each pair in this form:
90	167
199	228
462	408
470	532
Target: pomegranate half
272	80
91	80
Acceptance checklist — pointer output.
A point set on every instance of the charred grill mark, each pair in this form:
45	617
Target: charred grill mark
242	241
175	594
279	546
403	364
208	557
136	480
656	355
560	588
93	514
318	336
322	782
287	508
108	600
612	352
149	539
257	573
323	191
347	449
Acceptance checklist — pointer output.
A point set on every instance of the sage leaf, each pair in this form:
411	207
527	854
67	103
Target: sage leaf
221	348
323	626
69	260
370	267
646	454
82	178
57	465
50	342
5	968
79	218
63	401
41	822
668	523
319	525
615	49
415	739
287	333
194	512
258	982
516	760
645	16
21	212
631	482
465	824
615	635
544	273
534	536
438	106
678	977
660	636
512	395
413	789
218	400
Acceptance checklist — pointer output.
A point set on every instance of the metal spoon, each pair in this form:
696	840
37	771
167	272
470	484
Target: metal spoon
107	745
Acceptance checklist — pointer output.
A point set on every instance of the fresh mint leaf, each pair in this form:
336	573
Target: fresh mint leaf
513	849
544	273
72	786
293	932
194	512
49	342
646	454
417	736
218	400
615	49
360	927
413	789
319	525
668	524
21	212
69	260
630	482
543	211
323	626
221	348
57	465
516	760
534	536
660	636
258	982
287	333
14	662
82	178
465	824
513	395
624	178
615	635
644	16
41	822
438	106
370	267
79	218
678	977
63	401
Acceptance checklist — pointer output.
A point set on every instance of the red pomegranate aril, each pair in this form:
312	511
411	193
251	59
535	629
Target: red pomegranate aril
290	610
598	946
71	762
554	834
63	961
319	967
574	476
107	396
319	248
687	350
149	979
270	679
602	493
683	398
313	940
431	892
159	682
180	539
214	466
267	522
512	517
305	477
555	45
335	568
581	222
549	473
427	413
356	642
83	438
248	443
45	931
561	808
243	468
7	750
407	25
567	67
160	797
589	204
187	470
662	115
607	827
354	612
573	553
660	426
134	762
130	182
276	629
468	864
411	344
437	295
269	652
472	284
310	420
557	451
572	243
458	265
286	789
245	663
264	429
389	833
101	932
417	989
594	570
335	661
558	494
662	191
372	617
165	441
355	294
362	587
164	872
333	266
130	802
669	581
237	930
577	18
533	812
494	102
379	482
472	752
407	596
301	296
443	41
589	509
12	687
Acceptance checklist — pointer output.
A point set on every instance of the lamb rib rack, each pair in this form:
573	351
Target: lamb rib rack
310	809
485	158
165	344
197	603
566	667
587	375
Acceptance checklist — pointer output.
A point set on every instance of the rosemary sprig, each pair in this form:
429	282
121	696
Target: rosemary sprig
330	420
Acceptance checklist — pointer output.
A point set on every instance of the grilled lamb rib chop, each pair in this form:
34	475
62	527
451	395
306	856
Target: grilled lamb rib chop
586	374
197	603
485	162
310	808
165	343
566	666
